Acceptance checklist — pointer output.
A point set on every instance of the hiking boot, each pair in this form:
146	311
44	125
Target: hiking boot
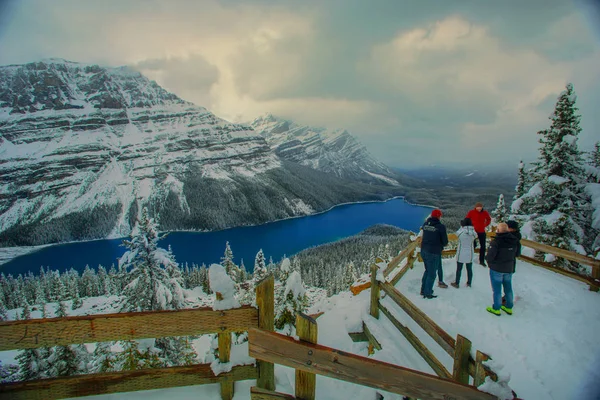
468	285
495	312
442	285
483	264
433	296
454	284
506	310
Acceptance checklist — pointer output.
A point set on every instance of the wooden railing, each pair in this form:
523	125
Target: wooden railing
309	359
34	333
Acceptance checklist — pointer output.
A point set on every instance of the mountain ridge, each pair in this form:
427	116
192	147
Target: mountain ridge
83	148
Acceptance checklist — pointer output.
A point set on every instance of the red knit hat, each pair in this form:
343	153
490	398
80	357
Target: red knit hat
436	213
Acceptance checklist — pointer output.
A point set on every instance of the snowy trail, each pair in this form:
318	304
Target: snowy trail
549	346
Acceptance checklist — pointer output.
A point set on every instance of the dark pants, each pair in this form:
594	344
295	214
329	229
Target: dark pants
432	265
481	238
459	266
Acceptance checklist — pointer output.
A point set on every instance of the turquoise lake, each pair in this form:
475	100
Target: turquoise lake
276	239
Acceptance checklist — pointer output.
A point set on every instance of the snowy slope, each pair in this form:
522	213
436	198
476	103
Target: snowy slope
548	348
333	151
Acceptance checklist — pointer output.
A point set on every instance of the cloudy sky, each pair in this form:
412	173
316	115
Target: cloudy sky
418	82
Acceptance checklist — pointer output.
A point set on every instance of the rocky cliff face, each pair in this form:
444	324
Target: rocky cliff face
332	151
83	148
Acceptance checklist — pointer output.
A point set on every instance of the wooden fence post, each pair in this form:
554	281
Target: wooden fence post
306	382
479	376
265	300
374	291
460	370
224	340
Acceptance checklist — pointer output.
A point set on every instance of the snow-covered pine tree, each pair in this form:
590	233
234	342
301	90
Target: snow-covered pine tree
149	286
56	289
350	275
64	360
500	214
175	351
103	359
227	262
130	359
294	301
29	360
260	268
3	315
88	286
555	203
285	269
521	187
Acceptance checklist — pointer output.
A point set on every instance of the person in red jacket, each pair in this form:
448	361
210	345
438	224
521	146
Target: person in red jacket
480	219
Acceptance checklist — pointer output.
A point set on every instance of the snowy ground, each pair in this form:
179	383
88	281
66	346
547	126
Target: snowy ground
549	347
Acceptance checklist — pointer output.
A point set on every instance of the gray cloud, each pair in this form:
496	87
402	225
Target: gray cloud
468	79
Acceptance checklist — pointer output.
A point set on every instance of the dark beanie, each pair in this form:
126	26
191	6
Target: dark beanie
436	213
512	224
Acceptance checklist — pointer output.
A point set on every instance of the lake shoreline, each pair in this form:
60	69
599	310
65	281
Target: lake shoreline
7	254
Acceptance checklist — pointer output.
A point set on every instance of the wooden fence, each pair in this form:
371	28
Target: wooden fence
36	333
309	359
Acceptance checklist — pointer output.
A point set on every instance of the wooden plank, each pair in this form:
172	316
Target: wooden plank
568	255
370	337
265	300
561	271
479	376
460	369
438	334
224	340
306	381
358	337
374	292
423	351
400	274
356	369
124	381
257	393
398	259
32	333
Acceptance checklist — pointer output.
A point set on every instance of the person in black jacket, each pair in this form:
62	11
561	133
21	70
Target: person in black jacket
501	260
513	227
432	243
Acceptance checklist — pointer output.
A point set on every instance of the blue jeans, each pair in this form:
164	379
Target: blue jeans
500	280
459	267
432	265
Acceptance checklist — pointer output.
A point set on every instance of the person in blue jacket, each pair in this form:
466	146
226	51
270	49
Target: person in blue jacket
432	243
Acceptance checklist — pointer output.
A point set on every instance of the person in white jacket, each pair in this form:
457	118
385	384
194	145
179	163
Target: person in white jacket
465	251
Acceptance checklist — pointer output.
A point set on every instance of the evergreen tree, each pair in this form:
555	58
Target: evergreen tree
285	269
350	275
77	302
293	301
521	187
175	351
29	360
3	315
260	269
555	202
595	156
130	359
500	214
149	286
227	262
64	361
103	359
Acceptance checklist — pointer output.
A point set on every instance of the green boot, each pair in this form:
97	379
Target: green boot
495	312
506	310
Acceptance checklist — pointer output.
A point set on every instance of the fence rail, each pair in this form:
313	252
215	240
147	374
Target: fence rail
34	333
326	361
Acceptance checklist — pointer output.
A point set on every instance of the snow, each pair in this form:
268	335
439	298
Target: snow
470	174
294	285
382	177
593	190
546	350
220	282
557	180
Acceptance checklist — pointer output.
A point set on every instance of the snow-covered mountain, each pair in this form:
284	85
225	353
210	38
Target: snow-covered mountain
83	148
332	151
